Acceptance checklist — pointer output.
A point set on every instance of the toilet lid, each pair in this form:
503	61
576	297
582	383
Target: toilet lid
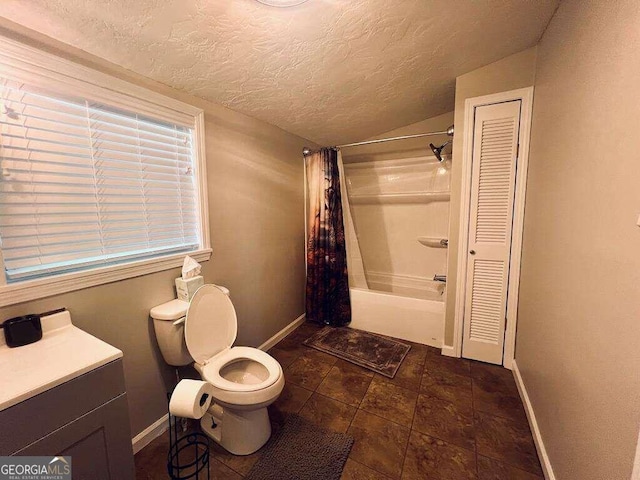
211	324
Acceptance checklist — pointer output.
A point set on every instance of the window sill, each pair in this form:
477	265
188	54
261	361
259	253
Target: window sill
69	282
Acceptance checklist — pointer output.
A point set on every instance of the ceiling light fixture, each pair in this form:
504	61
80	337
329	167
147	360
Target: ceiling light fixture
282	3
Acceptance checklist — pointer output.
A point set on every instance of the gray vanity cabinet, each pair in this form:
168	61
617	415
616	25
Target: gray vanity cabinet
86	418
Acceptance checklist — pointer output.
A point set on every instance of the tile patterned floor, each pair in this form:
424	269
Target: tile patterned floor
440	418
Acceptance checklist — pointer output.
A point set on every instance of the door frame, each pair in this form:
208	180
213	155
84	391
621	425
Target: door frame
525	95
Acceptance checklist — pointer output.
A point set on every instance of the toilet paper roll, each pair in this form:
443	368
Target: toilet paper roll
190	399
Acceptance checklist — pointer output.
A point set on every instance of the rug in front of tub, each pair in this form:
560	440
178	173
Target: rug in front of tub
380	354
302	451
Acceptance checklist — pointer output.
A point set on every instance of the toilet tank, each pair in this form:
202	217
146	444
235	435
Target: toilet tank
168	323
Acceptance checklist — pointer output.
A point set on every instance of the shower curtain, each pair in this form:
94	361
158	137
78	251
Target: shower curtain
327	279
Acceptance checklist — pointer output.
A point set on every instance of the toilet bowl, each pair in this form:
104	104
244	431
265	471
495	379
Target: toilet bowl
244	380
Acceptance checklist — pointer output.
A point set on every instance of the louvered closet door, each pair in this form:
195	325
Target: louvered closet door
495	148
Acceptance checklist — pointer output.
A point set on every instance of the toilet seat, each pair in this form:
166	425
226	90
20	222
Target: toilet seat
210	329
211	369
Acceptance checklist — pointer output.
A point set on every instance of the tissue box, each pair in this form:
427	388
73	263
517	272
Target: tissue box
186	288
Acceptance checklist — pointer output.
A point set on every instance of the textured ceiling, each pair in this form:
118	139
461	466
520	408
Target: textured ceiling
328	70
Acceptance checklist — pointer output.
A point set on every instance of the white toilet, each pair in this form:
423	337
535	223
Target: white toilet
245	380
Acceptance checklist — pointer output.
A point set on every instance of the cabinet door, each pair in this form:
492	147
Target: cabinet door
98	442
32	419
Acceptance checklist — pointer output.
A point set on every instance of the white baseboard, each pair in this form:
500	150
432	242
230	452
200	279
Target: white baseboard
158	427
533	423
635	474
282	333
150	433
448	351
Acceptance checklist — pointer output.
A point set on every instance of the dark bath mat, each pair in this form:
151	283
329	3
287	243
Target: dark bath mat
381	354
302	451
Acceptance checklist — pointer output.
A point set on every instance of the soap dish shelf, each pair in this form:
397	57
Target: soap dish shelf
434	242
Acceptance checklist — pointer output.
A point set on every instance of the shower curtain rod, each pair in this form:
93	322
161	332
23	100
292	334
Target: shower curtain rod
448	131
391	139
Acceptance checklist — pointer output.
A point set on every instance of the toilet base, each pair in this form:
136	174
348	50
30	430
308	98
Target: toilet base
241	432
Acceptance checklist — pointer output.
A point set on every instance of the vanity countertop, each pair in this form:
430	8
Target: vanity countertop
64	353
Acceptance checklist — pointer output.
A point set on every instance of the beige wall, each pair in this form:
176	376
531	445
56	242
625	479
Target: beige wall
255	177
579	310
510	73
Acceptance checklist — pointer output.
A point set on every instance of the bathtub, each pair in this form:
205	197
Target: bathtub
419	320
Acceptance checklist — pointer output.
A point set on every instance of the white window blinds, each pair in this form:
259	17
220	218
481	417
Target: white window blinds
85	184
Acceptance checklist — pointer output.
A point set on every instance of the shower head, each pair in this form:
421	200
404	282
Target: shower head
437	151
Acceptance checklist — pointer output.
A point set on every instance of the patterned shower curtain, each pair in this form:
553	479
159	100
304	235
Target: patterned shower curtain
327	282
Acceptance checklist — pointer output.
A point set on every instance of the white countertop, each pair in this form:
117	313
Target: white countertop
64	352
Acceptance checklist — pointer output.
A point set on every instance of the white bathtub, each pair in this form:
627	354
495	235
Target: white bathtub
419	320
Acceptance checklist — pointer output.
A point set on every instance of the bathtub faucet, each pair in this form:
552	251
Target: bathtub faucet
440	278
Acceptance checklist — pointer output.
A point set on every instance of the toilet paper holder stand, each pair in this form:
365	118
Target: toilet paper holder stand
188	456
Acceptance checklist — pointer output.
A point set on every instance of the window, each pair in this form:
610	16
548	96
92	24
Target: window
93	180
